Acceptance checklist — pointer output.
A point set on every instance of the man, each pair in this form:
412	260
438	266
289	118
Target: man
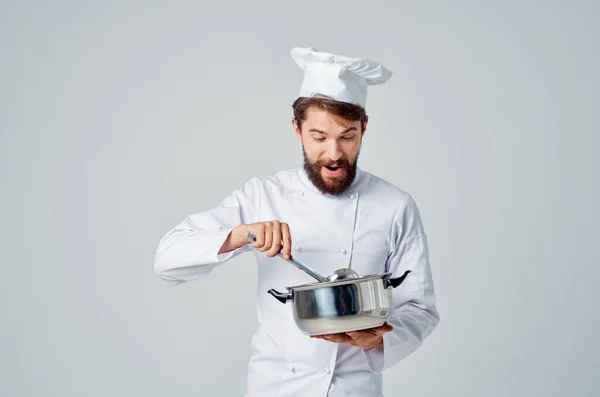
329	214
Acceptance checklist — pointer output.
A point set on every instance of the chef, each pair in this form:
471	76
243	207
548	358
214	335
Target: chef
330	214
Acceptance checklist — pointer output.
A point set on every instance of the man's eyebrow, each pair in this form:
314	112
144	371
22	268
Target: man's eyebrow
343	132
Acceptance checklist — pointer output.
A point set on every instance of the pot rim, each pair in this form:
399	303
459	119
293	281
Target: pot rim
334	283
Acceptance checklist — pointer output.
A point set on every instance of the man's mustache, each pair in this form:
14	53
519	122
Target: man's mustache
343	164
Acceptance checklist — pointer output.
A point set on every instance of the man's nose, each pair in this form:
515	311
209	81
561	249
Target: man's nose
334	152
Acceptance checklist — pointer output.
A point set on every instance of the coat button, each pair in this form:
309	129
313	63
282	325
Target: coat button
292	369
300	194
327	371
343	251
352	196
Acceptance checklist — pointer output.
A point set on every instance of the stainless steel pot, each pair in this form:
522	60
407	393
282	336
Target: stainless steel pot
342	305
341	302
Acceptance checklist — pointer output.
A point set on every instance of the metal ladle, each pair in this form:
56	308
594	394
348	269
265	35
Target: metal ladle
339	274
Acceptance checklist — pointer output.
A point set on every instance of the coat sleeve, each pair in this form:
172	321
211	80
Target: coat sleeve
190	249
415	314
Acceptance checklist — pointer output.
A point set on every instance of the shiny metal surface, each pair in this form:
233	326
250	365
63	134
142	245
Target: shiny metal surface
342	307
343	281
343	273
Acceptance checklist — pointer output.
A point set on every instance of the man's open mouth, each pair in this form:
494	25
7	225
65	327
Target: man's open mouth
330	168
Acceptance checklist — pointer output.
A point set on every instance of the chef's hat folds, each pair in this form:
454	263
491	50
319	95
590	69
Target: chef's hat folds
341	77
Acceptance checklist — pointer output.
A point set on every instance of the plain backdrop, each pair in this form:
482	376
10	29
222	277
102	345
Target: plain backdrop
120	118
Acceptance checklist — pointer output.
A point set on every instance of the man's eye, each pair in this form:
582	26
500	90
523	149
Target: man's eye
348	138
319	139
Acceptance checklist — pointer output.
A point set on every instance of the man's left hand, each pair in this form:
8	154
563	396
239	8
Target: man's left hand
367	338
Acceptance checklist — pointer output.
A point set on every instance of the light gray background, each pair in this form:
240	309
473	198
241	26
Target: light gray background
119	119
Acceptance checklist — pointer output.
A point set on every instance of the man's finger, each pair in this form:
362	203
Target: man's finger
268	237
276	239
286	239
339	338
383	329
357	335
259	236
371	332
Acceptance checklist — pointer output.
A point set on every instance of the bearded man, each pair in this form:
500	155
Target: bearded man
330	214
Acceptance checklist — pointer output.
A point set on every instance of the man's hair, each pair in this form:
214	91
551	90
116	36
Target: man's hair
342	112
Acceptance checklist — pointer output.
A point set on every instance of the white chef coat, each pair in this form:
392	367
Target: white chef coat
374	227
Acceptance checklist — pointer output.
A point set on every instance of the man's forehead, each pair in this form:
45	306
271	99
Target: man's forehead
326	123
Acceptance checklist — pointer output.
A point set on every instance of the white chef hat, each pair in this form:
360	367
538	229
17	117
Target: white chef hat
341	77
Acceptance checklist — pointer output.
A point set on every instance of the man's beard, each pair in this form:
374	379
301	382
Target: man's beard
336	186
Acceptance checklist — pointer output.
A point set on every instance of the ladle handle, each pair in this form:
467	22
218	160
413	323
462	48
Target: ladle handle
296	263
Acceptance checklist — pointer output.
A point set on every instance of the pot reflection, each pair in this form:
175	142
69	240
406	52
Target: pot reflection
329	302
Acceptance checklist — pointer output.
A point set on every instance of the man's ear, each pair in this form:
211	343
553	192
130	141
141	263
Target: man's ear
365	125
296	128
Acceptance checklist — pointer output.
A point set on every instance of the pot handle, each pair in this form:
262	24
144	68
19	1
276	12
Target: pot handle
396	281
280	296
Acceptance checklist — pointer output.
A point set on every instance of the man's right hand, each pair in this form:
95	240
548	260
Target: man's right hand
271	237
